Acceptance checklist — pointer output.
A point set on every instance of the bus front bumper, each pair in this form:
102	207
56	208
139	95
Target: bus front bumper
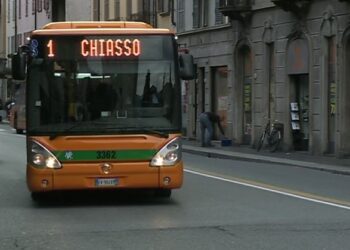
80	176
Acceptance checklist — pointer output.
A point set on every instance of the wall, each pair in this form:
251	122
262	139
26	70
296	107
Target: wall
79	10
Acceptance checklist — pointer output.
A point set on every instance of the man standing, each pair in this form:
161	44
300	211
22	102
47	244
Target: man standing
207	119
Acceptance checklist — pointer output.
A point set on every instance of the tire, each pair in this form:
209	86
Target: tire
260	141
38	196
274	140
18	131
162	193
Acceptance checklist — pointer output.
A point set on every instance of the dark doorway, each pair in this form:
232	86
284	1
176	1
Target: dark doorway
245	72
300	96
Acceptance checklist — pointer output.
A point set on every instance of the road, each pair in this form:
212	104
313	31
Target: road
224	204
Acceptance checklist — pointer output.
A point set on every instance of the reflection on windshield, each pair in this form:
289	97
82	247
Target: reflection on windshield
92	95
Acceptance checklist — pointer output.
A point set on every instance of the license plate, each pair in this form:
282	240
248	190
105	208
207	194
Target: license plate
106	182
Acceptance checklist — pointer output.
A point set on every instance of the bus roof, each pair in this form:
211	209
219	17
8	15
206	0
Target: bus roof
99	28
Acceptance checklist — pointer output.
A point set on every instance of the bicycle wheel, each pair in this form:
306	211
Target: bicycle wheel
274	140
261	141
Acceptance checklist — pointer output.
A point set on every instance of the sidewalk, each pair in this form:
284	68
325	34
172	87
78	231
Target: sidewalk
247	153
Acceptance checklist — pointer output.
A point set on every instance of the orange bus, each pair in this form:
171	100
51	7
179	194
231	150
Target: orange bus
103	107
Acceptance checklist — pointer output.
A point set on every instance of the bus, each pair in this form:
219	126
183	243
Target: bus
103	107
17	111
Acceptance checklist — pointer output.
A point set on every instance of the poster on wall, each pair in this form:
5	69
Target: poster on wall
295	126
247	97
294	106
222	103
295	116
222	109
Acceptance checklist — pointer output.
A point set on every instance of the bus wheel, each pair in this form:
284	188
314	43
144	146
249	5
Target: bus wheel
38	196
163	193
18	131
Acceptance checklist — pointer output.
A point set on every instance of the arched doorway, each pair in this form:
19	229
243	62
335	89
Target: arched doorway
244	65
344	102
298	71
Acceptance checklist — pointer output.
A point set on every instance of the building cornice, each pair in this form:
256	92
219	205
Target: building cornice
204	30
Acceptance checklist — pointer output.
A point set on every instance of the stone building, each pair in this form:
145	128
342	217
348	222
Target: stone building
276	59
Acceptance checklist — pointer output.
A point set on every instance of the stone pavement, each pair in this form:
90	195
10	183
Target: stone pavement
296	158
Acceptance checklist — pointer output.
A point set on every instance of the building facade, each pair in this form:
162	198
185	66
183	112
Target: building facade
208	35
158	13
277	59
3	52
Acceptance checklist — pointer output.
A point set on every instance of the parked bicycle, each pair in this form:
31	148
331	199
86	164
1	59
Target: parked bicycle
273	134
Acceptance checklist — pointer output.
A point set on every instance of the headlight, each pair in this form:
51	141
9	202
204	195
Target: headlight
169	155
41	157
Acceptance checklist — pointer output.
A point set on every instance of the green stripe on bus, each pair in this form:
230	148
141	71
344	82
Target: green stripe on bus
98	155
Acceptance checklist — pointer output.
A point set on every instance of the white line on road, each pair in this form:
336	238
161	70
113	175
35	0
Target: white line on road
268	189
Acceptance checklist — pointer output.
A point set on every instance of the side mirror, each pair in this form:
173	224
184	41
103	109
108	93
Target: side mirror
187	69
19	61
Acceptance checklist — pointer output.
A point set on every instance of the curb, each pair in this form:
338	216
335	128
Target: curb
216	153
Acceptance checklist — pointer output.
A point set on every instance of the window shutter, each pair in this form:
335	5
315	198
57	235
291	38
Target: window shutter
218	15
205	13
196	13
181	16
117	10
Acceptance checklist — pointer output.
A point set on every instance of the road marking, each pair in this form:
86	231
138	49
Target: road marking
274	189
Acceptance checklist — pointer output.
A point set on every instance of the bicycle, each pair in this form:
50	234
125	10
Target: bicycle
273	134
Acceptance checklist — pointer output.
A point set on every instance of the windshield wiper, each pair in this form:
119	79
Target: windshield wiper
135	130
160	133
141	130
56	134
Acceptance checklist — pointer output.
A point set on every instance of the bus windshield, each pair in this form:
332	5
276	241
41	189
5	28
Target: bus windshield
89	85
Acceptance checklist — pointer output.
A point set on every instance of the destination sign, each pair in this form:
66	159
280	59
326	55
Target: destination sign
102	48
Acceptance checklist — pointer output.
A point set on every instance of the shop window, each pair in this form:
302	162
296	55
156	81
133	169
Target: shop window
40	5
27	8
163	6
117	9
181	16
19	9
106	9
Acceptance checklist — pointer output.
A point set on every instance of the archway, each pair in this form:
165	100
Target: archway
298	71
245	69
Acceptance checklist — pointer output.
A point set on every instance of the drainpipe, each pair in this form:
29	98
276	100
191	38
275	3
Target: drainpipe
172	13
15	7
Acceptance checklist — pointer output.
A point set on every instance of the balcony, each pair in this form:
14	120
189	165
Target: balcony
236	9
298	7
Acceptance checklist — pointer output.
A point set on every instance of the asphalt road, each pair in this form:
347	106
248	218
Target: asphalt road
224	204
